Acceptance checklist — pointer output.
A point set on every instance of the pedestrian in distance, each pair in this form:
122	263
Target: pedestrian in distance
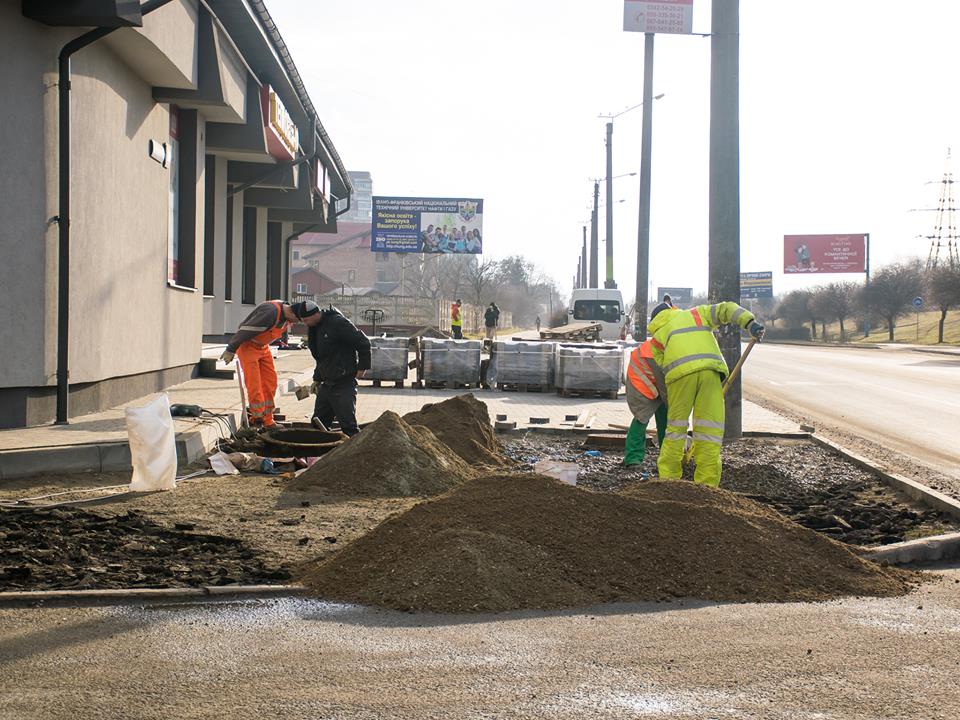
646	398
490	318
342	353
251	344
688	354
456	320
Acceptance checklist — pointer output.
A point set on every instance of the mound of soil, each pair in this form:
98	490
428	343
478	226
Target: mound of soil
463	423
69	548
507	542
389	458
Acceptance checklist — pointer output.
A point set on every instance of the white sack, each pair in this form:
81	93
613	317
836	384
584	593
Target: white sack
153	448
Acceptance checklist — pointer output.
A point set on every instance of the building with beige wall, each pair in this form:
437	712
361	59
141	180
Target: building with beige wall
195	157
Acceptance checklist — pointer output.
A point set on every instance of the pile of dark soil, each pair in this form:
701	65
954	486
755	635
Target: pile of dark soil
509	542
72	549
389	458
463	423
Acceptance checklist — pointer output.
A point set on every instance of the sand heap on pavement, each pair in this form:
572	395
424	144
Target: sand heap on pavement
463	423
389	458
507	542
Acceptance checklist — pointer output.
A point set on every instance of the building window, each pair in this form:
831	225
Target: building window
209	215
182	231
228	279
301	288
248	274
296	254
351	275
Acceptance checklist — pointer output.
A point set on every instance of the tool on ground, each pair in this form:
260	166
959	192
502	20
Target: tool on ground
244	421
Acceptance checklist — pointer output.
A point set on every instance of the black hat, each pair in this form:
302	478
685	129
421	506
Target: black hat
304	309
659	309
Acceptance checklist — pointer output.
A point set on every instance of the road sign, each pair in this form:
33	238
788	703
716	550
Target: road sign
756	285
918	302
660	16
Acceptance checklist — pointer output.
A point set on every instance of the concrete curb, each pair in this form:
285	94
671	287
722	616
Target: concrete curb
912	488
166	594
929	549
192	444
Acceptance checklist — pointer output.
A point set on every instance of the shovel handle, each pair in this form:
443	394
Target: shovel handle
736	368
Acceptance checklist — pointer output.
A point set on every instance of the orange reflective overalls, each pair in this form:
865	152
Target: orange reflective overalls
259	374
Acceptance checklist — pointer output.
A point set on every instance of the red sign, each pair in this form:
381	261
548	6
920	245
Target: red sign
824	253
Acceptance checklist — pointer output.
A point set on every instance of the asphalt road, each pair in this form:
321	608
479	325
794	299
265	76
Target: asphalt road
855	659
904	400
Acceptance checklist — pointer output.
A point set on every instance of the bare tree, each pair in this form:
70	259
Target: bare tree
835	301
942	285
891	291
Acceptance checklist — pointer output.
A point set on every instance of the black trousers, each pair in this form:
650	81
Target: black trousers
338	400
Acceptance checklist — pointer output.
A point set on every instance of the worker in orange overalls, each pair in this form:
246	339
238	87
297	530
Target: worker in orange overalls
251	343
646	397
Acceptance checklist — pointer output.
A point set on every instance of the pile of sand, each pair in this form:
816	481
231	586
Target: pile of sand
463	423
508	542
389	458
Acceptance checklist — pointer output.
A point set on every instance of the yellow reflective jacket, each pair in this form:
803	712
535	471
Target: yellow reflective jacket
683	341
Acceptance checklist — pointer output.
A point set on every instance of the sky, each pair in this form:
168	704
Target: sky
847	111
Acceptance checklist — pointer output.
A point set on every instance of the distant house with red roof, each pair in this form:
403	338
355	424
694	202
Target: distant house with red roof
345	259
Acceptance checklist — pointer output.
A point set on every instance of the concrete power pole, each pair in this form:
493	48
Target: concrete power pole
643	226
610	282
583	260
725	186
594	239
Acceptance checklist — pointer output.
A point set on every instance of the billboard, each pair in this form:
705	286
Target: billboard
427	225
756	285
825	253
658	16
681	297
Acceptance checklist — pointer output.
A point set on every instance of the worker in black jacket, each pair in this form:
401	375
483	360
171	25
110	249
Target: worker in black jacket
342	353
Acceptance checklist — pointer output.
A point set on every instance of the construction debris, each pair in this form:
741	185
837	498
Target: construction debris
508	542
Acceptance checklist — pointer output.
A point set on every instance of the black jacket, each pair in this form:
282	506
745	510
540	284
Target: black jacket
339	348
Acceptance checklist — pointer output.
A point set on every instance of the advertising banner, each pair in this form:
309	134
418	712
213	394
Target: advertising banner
427	225
681	297
825	253
658	16
756	285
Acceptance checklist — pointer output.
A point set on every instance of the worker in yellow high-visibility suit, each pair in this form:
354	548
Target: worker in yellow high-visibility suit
693	367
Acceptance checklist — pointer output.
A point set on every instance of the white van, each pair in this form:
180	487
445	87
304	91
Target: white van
598	305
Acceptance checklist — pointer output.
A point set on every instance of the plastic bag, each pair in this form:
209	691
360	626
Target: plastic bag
153	448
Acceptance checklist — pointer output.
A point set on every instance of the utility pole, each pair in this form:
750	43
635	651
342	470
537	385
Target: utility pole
725	187
595	239
643	228
610	282
583	260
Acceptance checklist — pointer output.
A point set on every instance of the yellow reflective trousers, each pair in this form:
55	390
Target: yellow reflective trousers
702	393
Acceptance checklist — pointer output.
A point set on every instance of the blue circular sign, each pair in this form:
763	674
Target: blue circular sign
918	302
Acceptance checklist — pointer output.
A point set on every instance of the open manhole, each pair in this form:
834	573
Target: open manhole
303	442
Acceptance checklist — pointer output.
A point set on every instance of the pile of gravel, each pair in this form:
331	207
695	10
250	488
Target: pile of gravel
507	542
389	458
463	423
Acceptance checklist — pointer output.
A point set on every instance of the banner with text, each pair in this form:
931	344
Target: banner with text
756	285
427	225
824	253
658	16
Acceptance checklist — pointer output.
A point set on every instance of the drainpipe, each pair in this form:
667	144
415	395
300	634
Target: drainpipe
63	218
